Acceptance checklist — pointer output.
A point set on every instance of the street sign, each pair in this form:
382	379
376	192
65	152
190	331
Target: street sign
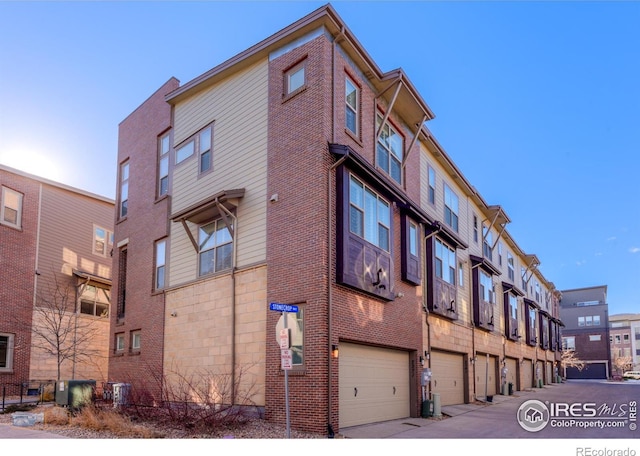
286	359
285	339
282	307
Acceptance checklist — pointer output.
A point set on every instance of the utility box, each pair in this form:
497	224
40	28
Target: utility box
75	393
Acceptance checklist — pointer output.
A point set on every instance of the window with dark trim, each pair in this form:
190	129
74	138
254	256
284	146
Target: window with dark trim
432	185
215	247
411	254
544	330
484	294
442	271
511	317
164	146
450	208
364	236
530	314
6	352
389	150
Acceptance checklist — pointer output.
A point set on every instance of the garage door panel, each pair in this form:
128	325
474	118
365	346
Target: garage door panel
447	377
512	372
527	374
485	376
374	384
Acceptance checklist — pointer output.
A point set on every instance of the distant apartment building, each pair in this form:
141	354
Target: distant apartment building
55	271
585	313
624	342
299	173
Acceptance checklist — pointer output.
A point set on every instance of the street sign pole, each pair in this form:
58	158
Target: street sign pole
286	386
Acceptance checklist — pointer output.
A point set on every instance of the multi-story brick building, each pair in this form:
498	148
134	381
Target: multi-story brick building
624	342
55	254
585	313
300	173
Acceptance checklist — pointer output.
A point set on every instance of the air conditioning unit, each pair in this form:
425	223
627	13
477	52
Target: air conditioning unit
75	393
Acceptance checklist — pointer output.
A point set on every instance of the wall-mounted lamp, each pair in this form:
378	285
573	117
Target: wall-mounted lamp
334	350
421	361
174	313
274	198
473	360
400	295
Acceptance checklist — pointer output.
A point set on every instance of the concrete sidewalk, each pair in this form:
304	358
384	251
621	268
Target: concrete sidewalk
9	431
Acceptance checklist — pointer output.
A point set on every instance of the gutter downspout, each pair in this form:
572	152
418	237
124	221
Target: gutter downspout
425	304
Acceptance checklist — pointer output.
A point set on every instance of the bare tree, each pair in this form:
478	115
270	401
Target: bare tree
58	330
571	359
622	363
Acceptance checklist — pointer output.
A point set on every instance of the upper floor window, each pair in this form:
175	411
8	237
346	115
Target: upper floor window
295	78
487	243
445	260
523	275
487	292
432	185
124	189
119	343
215	247
11	209
204	148
164	145
136	340
510	267
95	301
569	343
450	208
589	320
500	253
390	150
160	258
6	352
352	101
202	143
475	228
102	241
369	214
185	151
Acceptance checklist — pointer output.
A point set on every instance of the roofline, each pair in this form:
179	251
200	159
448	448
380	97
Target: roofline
52	183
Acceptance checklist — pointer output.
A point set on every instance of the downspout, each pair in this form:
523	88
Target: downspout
234	260
425	304
330	430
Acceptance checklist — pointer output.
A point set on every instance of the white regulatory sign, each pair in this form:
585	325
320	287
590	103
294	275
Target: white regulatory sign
286	359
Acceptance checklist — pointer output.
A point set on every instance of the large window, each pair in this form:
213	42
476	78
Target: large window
445	260
484	294
11	208
369	215
95	301
569	343
352	101
6	352
164	145
450	208
390	151
124	189
160	259
215	248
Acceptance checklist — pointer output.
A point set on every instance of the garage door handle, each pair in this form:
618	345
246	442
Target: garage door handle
355	392
435	383
394	390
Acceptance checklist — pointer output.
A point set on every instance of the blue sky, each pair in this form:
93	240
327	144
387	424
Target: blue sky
536	102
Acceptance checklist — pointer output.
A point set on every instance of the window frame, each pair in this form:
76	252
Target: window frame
123	189
8	353
367	218
160	264
386	147
218	222
4	206
94	301
442	296
411	250
117	346
164	154
451	216
431	185
355	109
135	341
108	241
289	73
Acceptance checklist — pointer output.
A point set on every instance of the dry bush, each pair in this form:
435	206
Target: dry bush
96	419
56	415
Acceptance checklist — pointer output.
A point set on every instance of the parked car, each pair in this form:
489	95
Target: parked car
632	374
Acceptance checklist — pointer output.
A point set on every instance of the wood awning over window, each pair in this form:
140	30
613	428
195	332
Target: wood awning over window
92	279
509	287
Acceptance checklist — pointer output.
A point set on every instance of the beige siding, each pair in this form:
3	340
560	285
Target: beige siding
238	109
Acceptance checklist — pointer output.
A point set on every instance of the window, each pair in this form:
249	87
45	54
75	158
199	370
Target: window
617	338
445	262
124	189
432	185
390	149
533	340
102	241
136	337
568	343
11	209
369	215
625	337
352	100
523	275
160	258
461	274
500	253
119	342
295	78
297	337
185	151
587	303
215	248
450	208
122	283
486	287
510	267
487	243
595	338
6	352
164	146
95	301
204	147
475	228
411	255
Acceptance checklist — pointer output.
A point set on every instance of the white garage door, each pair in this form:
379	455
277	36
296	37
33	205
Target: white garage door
374	384
447	377
486	376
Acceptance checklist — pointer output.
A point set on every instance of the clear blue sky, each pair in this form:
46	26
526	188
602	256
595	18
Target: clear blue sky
537	102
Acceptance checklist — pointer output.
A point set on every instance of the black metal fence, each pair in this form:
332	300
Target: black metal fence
32	392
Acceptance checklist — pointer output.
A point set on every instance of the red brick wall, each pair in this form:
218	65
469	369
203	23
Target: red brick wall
17	272
146	222
300	129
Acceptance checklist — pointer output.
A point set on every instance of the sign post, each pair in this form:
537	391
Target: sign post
284	341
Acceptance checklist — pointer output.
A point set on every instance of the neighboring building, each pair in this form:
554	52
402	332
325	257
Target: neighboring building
624	341
585	313
55	262
299	173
